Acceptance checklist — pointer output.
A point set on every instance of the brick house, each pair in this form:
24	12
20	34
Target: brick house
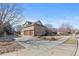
33	29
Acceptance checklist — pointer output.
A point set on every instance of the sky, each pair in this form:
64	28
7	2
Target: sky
52	13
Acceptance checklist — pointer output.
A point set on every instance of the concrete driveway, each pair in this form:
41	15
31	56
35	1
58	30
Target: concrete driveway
39	42
43	48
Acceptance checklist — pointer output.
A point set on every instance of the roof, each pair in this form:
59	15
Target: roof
29	23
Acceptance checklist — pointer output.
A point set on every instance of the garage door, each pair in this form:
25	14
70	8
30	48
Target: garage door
28	32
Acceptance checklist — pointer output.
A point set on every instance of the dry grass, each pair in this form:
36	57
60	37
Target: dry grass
6	47
5	43
71	40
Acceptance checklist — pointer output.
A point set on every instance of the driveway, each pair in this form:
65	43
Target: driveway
36	47
43	48
39	42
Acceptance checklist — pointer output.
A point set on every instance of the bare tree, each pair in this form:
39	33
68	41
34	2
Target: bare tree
49	26
18	29
10	15
50	29
66	29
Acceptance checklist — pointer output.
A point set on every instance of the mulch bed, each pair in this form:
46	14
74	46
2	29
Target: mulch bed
6	47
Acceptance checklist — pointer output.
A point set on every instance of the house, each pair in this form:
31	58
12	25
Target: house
33	29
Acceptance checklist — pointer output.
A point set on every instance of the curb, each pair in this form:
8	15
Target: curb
75	49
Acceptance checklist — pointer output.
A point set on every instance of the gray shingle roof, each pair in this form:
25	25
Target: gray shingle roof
29	23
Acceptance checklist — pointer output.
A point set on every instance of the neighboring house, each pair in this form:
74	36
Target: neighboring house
33	29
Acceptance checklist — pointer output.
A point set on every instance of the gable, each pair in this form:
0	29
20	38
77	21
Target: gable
28	23
38	22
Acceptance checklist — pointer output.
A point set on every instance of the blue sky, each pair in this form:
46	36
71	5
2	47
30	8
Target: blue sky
52	13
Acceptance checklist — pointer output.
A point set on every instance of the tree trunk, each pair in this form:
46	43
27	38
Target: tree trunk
5	35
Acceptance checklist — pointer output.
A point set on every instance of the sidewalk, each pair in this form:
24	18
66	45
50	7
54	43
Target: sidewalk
77	37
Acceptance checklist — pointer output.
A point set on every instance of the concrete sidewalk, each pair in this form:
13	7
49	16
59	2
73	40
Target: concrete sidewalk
77	37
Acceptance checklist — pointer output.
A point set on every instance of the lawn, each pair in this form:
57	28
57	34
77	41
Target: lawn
71	40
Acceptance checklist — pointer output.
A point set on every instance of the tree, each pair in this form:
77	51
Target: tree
50	30
10	15
18	29
49	26
66	29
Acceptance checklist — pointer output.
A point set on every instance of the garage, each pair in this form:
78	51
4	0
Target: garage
28	32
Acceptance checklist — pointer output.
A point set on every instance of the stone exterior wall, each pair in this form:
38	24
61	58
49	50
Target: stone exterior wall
39	30
27	28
